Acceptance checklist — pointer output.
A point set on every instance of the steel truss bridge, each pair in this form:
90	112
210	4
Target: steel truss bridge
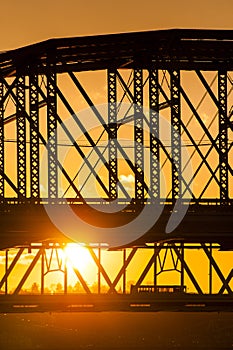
165	91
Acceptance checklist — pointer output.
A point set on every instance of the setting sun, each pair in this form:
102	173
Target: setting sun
77	256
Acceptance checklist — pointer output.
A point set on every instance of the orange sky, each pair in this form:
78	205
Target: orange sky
24	22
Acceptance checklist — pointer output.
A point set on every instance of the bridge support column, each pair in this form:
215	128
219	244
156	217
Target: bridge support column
112	123
154	134
21	135
138	135
223	139
34	134
175	134
52	130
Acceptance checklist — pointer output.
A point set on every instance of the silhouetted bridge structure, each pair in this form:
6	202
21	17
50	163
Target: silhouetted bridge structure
163	140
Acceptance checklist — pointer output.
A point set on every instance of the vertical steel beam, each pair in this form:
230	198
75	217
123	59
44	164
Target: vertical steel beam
112	122
154	134
182	266
52	128
1	141
122	270
6	269
124	273
21	135
34	135
187	270
99	271
210	270
42	270
223	139
216	268
65	278
138	135
150	264
175	134
155	265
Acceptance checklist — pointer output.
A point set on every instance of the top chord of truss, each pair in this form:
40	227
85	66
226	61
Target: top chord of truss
163	49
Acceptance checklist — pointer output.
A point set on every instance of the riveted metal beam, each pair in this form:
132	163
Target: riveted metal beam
223	139
34	135
138	135
154	134
21	134
175	134
52	128
112	123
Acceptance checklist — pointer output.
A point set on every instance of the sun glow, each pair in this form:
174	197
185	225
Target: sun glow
77	256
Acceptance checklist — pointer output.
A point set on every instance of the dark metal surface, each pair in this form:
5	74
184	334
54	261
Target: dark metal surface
202	223
146	53
163	49
132	303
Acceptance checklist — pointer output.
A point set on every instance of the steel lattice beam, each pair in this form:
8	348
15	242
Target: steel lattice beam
138	134
112	122
52	131
154	134
175	134
21	134
34	135
223	139
1	140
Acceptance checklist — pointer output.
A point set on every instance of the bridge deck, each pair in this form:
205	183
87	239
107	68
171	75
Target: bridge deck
119	302
28	223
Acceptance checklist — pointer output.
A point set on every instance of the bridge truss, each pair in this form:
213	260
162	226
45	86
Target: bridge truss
125	106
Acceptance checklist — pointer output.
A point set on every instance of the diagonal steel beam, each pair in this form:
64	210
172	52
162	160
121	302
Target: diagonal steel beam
106	127
227	281
82	281
195	113
149	265
92	143
45	144
27	273
204	158
217	269
67	105
11	267
9	89
123	268
101	269
10	183
187	269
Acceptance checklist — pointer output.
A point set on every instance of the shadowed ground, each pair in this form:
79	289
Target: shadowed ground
116	331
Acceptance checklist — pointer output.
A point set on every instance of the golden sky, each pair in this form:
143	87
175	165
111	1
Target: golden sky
24	22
